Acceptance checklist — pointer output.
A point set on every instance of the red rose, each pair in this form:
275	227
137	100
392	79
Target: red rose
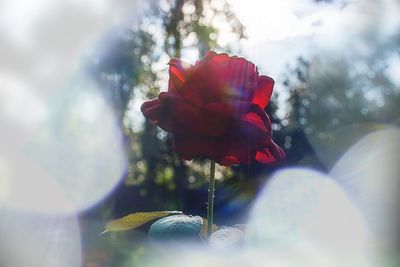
215	110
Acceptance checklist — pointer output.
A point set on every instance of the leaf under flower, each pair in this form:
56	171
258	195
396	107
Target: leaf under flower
135	220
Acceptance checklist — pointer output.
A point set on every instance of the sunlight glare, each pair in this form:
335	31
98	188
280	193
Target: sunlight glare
301	209
38	240
302	218
369	173
74	157
61	142
272	20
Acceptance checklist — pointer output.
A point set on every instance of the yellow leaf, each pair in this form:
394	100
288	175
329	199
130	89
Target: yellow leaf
203	232
135	220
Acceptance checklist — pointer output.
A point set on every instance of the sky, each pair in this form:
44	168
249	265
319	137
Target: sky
277	31
280	31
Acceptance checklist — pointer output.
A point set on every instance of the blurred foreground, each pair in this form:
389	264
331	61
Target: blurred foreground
76	152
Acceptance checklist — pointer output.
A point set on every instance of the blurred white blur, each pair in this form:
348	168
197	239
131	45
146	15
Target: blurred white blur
31	239
61	147
306	213
306	218
301	218
369	173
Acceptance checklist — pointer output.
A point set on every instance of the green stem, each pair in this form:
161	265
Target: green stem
210	205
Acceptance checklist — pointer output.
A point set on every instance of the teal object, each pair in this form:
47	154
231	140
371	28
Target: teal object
176	227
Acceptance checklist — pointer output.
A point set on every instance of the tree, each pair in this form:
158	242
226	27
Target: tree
338	96
127	68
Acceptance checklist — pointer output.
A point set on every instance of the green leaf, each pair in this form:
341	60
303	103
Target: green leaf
135	220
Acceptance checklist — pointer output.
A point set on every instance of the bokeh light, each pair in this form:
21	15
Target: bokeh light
301	218
62	148
369	173
74	157
67	141
307	213
30	239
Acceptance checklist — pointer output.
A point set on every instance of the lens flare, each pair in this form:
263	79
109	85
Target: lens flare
301	218
369	173
68	162
303	212
39	240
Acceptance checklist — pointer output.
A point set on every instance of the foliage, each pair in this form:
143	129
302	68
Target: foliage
131	66
134	220
336	99
328	93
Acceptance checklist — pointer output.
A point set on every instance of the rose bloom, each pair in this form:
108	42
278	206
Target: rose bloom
215	110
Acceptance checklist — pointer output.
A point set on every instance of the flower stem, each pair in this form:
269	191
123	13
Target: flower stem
210	205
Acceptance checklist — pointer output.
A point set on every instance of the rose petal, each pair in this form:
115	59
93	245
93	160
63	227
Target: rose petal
255	120
215	109
265	157
225	151
239	146
148	104
217	57
218	78
240	155
231	109
194	119
272	153
257	123
179	71
157	112
250	132
263	92
229	160
276	151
